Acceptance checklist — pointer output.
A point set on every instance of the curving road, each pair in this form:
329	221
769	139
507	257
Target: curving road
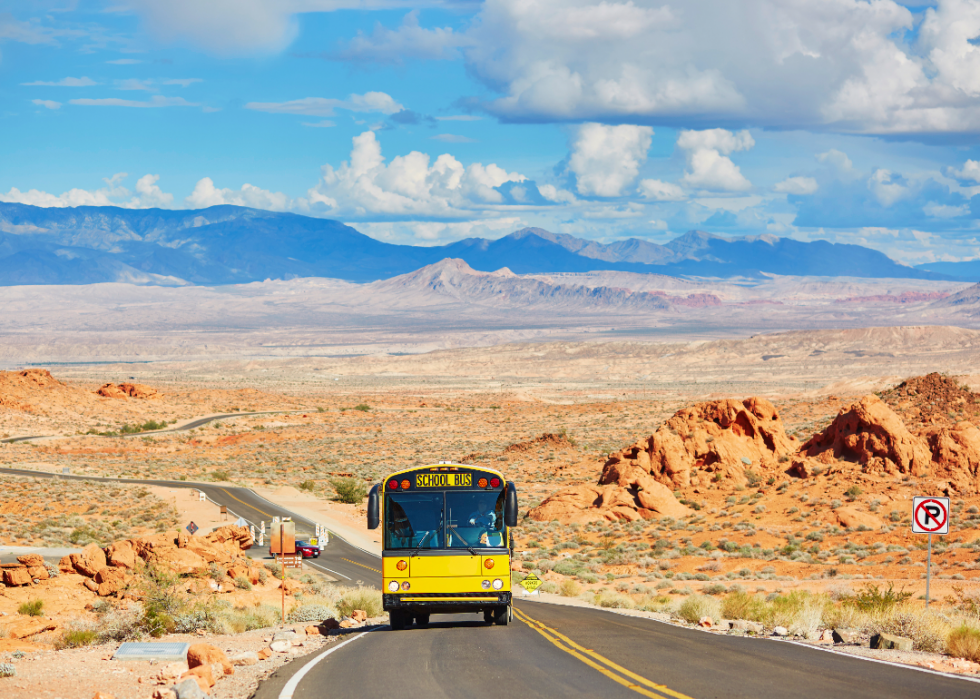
189	426
557	651
343	561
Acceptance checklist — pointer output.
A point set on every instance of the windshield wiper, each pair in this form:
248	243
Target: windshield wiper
422	541
465	542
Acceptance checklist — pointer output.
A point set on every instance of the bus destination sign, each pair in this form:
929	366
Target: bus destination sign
443	480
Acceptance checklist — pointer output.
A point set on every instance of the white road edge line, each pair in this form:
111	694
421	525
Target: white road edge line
323	567
287	691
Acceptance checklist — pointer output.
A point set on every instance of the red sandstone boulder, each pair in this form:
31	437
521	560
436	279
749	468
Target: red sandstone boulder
121	554
204	654
956	455
90	561
15	577
854	518
31	560
871	434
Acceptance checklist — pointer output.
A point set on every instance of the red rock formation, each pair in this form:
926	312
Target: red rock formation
870	433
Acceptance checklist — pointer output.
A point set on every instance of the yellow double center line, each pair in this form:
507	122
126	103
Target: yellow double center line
360	564
617	673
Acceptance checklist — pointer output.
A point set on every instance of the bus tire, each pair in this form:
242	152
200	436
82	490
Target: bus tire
488	616
422	620
501	615
397	619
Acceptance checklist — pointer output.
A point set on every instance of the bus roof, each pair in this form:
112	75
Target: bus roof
444	467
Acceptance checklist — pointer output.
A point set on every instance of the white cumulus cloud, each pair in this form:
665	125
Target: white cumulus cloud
708	165
409	184
661	191
607	159
148	194
47	104
155	102
205	194
969	171
797	185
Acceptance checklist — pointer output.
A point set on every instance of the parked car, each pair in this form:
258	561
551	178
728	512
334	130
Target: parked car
304	548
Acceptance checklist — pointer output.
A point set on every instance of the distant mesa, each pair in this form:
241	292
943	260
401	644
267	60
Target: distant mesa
235	245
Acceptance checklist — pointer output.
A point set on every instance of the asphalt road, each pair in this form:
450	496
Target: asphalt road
343	561
557	651
189	426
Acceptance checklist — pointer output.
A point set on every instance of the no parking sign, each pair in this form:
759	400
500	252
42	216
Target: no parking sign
930	515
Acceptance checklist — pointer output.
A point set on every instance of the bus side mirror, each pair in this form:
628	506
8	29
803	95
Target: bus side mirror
510	505
374	507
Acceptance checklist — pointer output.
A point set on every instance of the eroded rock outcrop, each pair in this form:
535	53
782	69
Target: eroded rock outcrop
871	434
718	440
722	438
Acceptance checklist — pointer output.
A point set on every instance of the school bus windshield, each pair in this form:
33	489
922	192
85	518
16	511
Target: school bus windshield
443	520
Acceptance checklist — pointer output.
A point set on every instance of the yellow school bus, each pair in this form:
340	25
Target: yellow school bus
447	542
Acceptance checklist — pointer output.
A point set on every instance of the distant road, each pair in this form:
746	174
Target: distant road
188	426
343	561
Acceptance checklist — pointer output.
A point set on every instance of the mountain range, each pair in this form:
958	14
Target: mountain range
232	244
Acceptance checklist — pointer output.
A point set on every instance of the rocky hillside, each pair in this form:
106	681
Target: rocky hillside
728	445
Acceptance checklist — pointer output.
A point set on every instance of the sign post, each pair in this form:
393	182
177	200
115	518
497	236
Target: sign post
283	544
930	516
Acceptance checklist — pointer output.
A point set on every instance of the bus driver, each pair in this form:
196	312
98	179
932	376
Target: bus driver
483	517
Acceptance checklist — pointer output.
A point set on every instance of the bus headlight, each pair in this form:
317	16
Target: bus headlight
393	586
485	584
405	585
497	584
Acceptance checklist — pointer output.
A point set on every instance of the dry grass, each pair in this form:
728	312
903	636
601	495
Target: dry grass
964	642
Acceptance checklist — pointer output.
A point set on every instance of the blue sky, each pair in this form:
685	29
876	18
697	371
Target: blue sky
424	123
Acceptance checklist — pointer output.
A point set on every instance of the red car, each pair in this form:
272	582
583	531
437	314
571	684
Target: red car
303	548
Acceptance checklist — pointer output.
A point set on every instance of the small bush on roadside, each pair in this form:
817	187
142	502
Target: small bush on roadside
33	608
308	485
569	588
310	613
349	490
964	642
243	583
8	670
241	619
613	600
76	637
695	607
361	598
874	600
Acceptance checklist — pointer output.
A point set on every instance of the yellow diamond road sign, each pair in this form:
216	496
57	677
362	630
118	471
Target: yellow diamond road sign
531	583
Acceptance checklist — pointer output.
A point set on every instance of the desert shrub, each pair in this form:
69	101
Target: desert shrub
363	407
263	576
549	587
568	567
310	613
715	589
928	630
33	608
162	601
118	624
613	600
220	476
308	485
274	568
876	601
241	619
697	606
360	598
8	670
964	642
569	588
76	637
243	583
853	492
741	605
349	490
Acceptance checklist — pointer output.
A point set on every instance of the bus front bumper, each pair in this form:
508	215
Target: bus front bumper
445	603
